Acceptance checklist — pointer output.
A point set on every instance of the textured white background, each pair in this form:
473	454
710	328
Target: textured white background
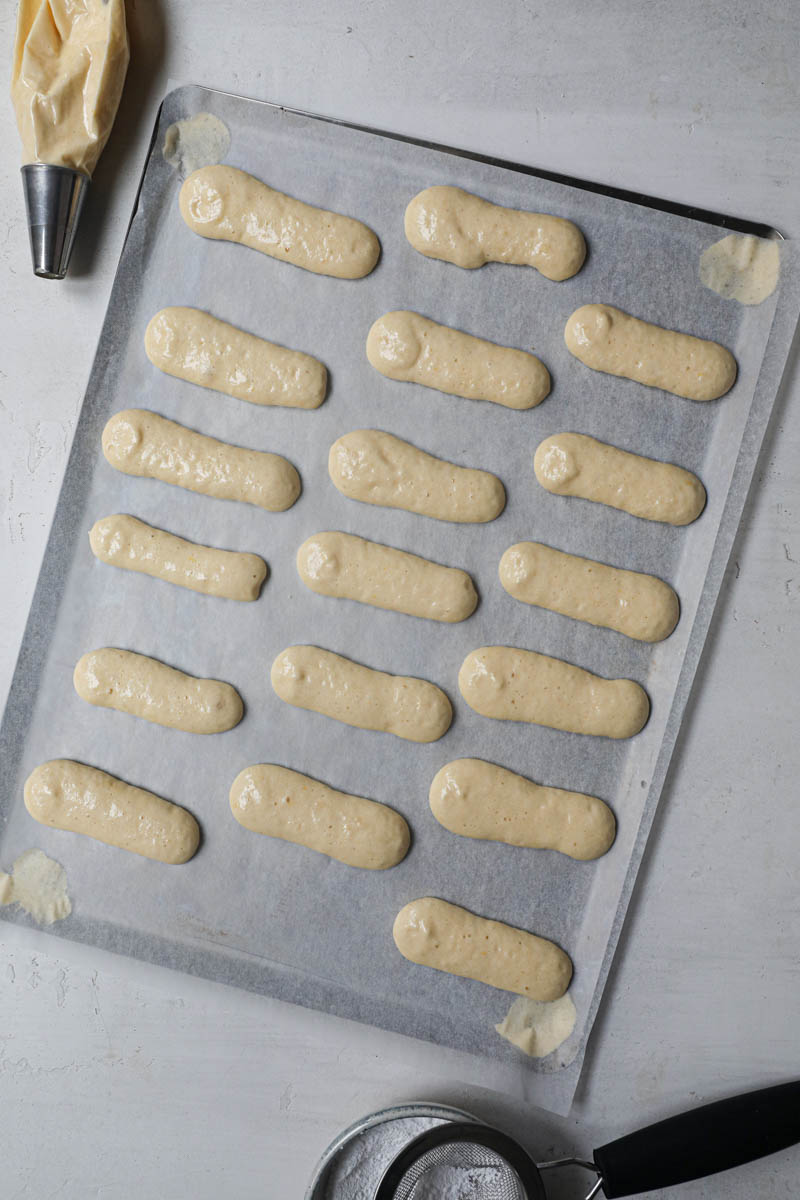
118	1080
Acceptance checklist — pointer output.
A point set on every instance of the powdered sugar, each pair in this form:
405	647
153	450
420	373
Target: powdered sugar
357	1169
458	1183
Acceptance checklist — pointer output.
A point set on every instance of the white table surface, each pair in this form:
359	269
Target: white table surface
120	1080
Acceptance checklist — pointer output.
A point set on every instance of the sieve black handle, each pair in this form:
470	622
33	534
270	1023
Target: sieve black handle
712	1138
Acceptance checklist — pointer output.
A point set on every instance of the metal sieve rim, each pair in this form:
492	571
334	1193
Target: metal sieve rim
396	1112
504	1147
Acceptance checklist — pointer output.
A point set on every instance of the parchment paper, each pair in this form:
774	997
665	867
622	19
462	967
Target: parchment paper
270	916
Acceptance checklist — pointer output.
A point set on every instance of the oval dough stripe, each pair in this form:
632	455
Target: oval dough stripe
79	799
640	606
192	345
142	443
378	468
607	339
477	799
327	683
352	568
573	464
436	934
123	541
226	204
285	804
458	227
521	685
410	348
143	687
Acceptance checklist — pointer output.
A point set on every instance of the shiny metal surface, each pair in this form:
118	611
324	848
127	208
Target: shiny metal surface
468	1160
54	198
436	1113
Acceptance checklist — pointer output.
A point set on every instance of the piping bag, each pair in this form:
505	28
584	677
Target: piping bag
70	60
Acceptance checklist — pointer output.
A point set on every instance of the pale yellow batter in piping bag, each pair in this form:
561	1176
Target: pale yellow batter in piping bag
70	61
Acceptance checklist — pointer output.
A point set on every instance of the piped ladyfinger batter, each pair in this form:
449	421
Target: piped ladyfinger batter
638	605
124	541
448	938
413	349
379	468
454	225
284	804
352	568
194	346
477	799
337	687
573	464
229	205
144	687
138	442
607	339
80	799
521	685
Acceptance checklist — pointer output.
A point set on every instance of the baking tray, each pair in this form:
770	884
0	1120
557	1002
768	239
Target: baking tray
269	916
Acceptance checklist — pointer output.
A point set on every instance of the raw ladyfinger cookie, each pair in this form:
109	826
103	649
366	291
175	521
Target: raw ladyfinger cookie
71	796
352	568
123	541
573	464
521	685
410	348
193	345
285	804
450	224
607	339
335	686
640	606
144	687
436	934
477	799
378	468
226	204
138	442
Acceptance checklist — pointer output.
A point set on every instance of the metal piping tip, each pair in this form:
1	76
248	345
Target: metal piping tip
54	199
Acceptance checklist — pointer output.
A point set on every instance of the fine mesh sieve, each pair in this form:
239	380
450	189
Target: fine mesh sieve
436	1169
471	1161
467	1162
477	1173
354	1163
